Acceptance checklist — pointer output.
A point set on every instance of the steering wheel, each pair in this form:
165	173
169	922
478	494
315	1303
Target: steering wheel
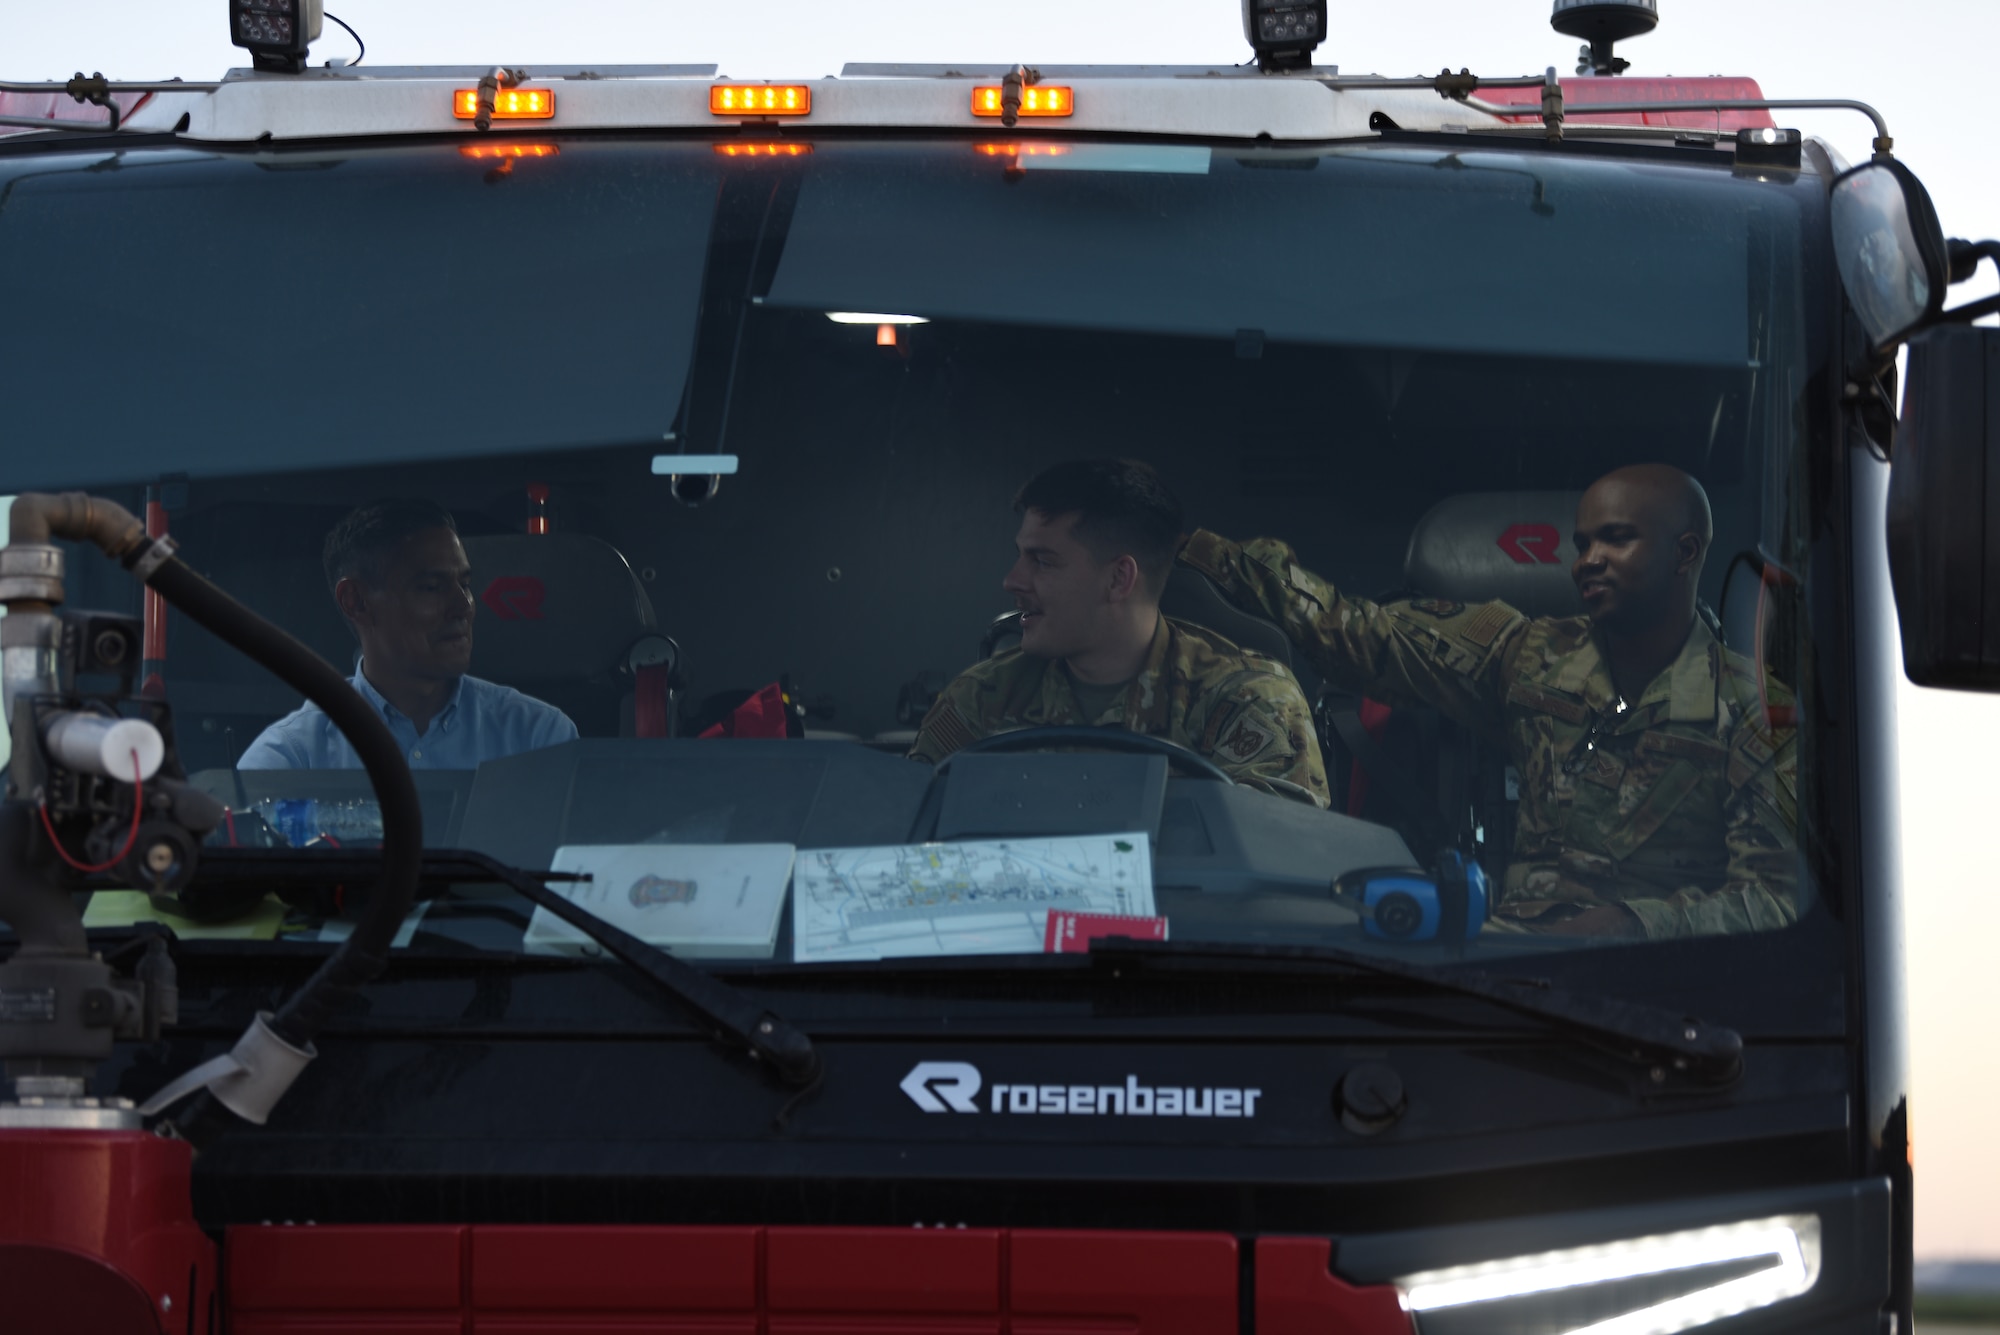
1103	739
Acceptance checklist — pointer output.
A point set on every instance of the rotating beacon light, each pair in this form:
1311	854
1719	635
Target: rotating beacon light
1601	24
1283	33
275	32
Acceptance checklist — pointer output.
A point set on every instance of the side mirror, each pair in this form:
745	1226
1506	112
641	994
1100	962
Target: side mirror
1890	249
1944	510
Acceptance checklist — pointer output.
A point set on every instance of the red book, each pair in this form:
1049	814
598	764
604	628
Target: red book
1072	933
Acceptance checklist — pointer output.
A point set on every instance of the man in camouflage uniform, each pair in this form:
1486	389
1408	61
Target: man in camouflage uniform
1095	548
1658	786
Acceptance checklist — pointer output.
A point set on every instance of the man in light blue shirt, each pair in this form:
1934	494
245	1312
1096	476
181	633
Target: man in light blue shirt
400	577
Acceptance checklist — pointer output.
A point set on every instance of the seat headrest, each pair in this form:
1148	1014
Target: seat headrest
551	607
1191	597
1513	546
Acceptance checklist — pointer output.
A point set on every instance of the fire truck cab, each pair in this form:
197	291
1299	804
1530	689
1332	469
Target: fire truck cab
709	1008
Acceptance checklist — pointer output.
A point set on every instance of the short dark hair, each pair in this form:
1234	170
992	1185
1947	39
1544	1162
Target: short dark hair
355	548
1122	508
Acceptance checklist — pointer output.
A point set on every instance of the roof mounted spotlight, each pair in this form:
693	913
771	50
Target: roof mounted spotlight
1283	33
275	32
1600	23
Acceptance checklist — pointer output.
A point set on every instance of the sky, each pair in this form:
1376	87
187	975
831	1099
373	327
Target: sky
1925	64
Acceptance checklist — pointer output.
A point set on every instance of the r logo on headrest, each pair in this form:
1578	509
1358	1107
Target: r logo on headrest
1532	544
519	597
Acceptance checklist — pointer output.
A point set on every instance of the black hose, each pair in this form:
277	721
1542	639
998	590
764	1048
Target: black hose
364	954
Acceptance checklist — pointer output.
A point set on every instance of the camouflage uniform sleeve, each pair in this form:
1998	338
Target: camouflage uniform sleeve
1443	654
1760	889
946	726
1261	735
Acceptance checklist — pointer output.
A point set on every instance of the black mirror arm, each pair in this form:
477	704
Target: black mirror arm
1964	257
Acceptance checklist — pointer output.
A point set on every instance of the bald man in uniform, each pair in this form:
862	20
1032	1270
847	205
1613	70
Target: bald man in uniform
1658	784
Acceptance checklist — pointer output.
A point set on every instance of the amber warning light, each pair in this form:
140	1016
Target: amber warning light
1036	100
509	104
760	99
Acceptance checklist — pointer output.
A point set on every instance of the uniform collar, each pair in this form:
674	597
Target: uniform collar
359	681
1144	706
1686	689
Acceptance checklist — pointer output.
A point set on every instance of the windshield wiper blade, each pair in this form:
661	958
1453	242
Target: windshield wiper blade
1643	1033
759	1031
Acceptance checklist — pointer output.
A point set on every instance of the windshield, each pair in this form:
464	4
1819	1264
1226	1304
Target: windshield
729	525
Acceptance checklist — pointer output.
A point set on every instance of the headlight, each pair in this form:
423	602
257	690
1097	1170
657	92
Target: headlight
1643	1286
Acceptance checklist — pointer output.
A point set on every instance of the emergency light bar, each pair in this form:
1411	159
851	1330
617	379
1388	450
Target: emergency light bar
1036	100
509	104
275	32
760	99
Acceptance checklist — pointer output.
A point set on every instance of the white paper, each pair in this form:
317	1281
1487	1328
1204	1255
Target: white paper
960	899
697	900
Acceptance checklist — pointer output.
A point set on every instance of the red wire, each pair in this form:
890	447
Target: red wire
132	838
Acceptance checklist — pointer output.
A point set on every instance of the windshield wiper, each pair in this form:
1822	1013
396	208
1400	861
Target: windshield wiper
758	1031
1651	1035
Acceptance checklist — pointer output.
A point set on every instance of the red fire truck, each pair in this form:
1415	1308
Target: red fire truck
642	982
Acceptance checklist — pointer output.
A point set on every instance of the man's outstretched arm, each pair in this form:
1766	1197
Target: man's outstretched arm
1444	654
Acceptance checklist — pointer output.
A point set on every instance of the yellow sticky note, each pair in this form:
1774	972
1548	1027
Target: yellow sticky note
122	908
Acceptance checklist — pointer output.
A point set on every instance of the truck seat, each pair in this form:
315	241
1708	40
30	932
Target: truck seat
562	617
1410	767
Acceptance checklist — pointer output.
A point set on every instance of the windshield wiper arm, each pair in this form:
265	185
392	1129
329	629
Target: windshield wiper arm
757	1030
1643	1033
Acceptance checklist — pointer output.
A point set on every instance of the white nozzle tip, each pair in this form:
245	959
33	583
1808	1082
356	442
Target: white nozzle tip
94	744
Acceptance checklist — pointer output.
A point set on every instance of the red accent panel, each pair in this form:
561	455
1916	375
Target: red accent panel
649	701
99	1222
1297	1294
590	1269
1374	722
55	1292
727	1281
1578	94
392	1269
267	1323
762	715
884	1270
1155	1283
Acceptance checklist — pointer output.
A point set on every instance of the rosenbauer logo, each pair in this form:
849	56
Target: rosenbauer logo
515	597
938	1087
1532	544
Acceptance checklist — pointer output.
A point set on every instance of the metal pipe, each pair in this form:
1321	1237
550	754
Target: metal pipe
1575	130
153	654
1883	143
38	516
112	86
1336	81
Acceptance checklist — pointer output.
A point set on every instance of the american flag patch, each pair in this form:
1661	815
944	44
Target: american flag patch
1486	623
949	728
